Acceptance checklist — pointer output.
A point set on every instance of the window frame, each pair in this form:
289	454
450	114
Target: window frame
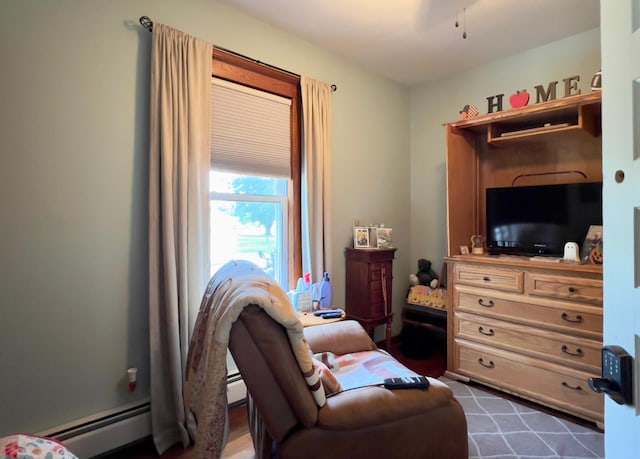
239	69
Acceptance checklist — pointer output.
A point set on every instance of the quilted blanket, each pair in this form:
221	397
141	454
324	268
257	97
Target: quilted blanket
23	446
234	286
368	368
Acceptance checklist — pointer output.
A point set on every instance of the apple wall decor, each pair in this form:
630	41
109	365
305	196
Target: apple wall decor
519	99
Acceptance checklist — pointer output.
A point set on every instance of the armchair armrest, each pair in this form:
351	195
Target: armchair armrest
339	337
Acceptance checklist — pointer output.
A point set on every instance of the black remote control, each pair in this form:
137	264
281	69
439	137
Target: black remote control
407	382
322	312
332	315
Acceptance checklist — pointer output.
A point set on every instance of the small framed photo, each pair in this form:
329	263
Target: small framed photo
384	238
360	237
464	249
592	247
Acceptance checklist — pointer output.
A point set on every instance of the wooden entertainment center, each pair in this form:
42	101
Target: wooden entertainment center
529	327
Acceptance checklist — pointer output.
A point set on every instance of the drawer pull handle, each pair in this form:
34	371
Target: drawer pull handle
577	320
569	386
577	353
572	290
486	279
487	333
486	365
490	304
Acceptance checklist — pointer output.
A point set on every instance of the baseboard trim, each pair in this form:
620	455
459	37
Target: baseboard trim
96	435
236	392
94	443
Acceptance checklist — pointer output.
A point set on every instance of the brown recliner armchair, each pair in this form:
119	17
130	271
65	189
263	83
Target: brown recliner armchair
367	422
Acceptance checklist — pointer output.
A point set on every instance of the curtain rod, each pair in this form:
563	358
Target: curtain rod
148	24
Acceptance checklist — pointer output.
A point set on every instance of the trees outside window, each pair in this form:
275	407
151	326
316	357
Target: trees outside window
249	218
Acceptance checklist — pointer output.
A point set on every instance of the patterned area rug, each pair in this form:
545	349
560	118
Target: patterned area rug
501	429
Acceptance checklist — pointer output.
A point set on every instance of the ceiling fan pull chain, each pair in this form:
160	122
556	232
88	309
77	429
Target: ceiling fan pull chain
464	23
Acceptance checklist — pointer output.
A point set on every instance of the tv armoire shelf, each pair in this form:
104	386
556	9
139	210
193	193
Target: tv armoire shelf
579	113
530	328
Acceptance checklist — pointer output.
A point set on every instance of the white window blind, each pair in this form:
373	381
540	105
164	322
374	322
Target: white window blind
250	131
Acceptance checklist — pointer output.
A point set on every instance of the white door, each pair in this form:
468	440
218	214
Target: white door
620	39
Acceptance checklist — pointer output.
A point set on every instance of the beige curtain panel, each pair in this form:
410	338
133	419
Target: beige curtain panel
178	217
316	176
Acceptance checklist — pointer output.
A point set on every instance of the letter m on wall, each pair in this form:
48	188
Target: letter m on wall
549	94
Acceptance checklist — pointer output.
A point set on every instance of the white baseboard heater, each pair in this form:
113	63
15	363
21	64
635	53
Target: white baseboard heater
105	431
236	390
98	434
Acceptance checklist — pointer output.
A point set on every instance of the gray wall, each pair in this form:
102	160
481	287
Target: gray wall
73	188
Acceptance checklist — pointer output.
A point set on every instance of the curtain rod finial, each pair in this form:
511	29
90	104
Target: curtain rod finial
146	23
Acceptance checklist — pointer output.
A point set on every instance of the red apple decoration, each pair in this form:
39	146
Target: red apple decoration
519	99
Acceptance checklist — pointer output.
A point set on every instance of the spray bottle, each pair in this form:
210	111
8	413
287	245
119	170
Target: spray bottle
326	294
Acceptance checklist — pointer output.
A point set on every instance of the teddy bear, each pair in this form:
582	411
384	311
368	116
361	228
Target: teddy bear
425	275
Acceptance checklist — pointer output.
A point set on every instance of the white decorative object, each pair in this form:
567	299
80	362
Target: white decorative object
571	252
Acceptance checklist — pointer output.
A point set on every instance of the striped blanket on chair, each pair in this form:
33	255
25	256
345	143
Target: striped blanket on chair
234	286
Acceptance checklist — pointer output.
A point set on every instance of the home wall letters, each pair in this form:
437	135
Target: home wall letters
494	103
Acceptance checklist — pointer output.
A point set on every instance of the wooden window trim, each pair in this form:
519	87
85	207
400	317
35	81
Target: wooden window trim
242	70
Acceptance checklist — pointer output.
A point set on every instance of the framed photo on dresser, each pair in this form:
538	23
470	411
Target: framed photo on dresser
592	247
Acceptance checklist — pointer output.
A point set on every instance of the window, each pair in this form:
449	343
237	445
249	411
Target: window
255	173
249	216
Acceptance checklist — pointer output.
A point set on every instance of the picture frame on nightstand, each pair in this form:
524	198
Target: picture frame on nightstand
360	237
384	239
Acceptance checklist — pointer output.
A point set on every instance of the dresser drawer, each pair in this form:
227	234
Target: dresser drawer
564	349
546	383
378	270
495	278
564	288
560	316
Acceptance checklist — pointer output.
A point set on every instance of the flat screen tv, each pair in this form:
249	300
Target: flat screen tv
539	220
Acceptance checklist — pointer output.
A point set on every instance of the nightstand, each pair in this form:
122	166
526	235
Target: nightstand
369	275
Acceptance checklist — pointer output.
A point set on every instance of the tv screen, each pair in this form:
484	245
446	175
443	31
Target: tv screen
539	220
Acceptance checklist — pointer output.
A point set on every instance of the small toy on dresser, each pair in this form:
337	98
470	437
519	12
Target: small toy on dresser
425	275
469	111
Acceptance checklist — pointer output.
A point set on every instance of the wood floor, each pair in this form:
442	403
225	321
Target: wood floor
239	445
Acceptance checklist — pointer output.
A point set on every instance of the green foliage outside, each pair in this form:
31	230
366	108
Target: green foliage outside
264	246
253	212
256	243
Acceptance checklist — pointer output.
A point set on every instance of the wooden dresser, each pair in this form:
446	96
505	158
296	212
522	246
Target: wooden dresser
369	275
533	329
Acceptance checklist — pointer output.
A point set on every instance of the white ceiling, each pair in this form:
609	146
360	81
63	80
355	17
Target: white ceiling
411	41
